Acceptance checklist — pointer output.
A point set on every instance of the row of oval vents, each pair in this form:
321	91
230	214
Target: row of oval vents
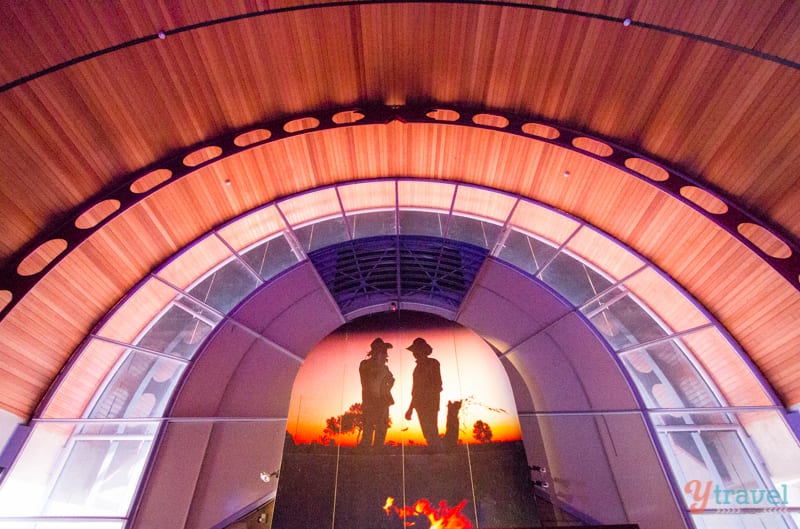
50	250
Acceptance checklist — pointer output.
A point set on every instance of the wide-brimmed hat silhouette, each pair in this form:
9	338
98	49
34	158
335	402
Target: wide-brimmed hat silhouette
378	345
420	346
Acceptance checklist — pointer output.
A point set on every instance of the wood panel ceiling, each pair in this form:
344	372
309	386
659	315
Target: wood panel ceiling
91	95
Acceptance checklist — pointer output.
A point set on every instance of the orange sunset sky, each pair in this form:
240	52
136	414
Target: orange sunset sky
328	383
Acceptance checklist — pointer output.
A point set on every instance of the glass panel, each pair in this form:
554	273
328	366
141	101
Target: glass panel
254	227
422	223
701	418
419	194
180	329
664	299
63	524
90	369
603	253
224	288
731	460
477	232
623	321
710	460
78	470
140	387
138	311
543	223
483	203
368	195
271	257
526	252
744	520
572	279
602	301
725	366
310	206
776	446
372	224
747	460
321	234
195	261
666	378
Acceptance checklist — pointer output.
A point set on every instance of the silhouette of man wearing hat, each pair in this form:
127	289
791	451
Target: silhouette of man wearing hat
425	389
376	393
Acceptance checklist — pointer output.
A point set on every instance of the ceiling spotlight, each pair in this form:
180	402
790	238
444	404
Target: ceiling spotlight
162	35
227	181
566	174
267	476
393	306
626	22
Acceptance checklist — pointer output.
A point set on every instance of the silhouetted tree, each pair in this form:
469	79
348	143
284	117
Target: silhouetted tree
482	432
350	421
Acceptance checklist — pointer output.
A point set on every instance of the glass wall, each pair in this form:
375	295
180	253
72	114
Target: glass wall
716	423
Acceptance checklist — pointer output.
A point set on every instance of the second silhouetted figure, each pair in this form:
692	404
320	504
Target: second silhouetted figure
425	390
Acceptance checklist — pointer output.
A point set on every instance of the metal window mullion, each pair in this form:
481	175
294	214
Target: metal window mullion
452	208
294	243
239	258
706	455
113	437
732	427
560	248
622	293
665	338
110	453
505	231
758	465
200	302
343	212
139	349
619	283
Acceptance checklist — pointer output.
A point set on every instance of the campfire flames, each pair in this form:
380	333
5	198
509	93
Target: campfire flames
442	517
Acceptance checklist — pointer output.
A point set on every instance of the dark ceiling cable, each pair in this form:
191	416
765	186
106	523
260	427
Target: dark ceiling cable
627	22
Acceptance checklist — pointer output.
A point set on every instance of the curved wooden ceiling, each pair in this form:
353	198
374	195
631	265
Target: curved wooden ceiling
91	96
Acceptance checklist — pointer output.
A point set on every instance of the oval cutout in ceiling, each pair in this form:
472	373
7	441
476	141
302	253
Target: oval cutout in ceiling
202	155
97	214
348	116
592	146
301	124
251	137
490	120
765	240
541	131
37	260
147	182
647	169
443	114
5	298
704	199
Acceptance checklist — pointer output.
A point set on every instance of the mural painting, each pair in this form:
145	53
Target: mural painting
403	420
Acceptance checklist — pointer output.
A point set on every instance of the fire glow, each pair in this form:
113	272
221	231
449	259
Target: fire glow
442	517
